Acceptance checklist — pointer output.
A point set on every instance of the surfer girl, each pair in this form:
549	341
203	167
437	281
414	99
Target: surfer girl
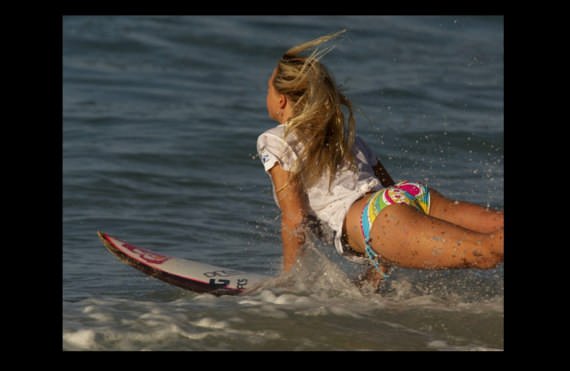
320	169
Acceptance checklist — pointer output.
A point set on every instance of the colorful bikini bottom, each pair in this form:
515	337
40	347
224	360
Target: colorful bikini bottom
404	192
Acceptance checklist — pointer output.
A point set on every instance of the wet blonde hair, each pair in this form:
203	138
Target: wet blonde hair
318	121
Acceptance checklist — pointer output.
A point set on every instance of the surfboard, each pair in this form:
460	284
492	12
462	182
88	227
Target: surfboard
187	274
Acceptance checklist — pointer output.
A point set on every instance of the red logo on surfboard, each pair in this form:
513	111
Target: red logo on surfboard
147	256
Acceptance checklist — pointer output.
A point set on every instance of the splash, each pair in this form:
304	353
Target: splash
323	275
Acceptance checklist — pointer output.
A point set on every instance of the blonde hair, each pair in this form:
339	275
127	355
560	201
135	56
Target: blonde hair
318	121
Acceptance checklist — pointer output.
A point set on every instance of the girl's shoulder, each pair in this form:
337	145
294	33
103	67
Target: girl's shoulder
272	138
273	148
277	131
276	136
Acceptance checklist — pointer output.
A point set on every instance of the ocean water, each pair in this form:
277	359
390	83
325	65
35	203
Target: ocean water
160	120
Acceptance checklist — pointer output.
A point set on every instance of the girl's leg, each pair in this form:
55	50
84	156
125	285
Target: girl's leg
410	239
465	214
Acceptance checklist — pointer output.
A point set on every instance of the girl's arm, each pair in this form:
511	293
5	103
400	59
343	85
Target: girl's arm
293	211
382	174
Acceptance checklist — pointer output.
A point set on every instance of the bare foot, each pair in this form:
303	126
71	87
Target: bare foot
492	253
498	245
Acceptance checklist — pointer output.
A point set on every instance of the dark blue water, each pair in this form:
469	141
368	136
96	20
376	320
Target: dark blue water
160	121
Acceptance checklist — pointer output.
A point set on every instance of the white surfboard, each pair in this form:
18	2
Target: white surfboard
188	274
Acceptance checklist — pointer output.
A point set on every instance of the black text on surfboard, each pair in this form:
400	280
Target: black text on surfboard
218	283
224	273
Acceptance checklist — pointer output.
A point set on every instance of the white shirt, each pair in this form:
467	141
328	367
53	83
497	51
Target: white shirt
330	206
